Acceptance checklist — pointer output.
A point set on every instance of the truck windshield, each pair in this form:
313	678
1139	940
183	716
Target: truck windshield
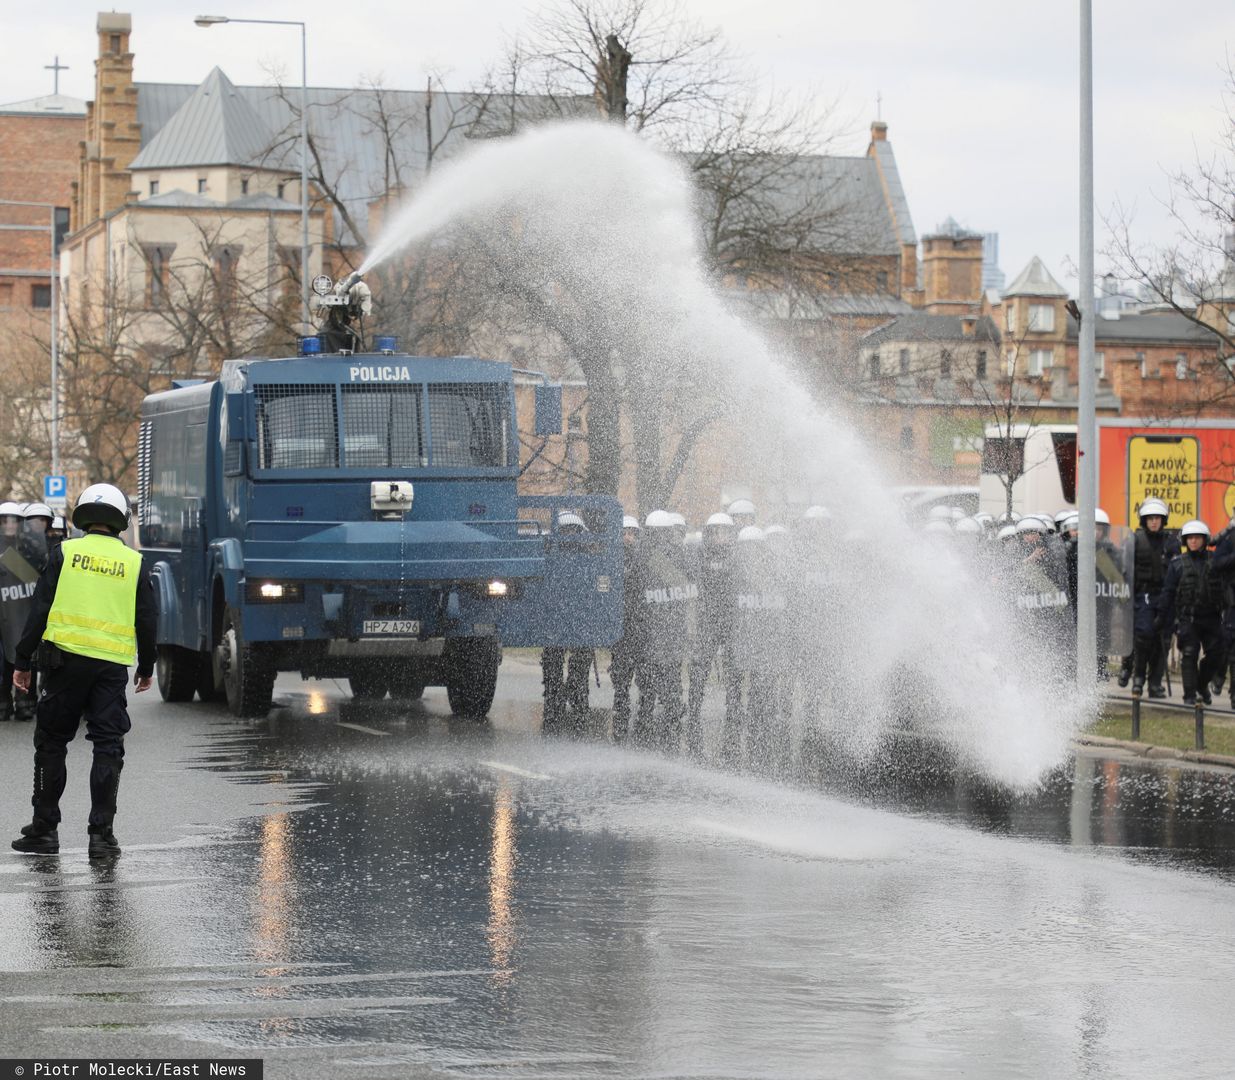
468	423
296	427
382	427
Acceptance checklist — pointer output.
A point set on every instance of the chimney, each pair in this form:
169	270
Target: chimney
879	131
969	324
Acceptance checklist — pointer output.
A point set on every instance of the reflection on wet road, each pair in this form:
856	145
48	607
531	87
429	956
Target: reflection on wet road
388	892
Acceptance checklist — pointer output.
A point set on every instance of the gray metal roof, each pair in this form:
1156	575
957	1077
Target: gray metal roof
784	307
262	201
920	326
215	125
48	105
896	193
1035	280
351	129
176	197
1165	328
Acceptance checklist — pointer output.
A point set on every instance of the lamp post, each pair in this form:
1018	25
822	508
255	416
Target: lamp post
55	337
215	20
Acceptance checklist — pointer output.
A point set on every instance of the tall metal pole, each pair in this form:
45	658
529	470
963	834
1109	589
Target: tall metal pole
304	179
1086	419
55	355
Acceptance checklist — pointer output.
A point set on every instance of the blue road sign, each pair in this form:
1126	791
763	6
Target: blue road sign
55	487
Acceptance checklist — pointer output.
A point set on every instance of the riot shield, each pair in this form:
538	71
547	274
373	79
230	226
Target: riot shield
1113	562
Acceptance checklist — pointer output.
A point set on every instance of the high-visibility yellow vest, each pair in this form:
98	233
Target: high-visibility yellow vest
95	607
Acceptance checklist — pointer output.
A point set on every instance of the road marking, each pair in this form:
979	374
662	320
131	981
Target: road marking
514	770
361	727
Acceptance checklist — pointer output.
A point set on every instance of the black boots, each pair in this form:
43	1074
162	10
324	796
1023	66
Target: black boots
103	843
38	838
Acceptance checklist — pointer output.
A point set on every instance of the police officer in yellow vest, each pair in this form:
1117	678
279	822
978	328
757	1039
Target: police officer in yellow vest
94	614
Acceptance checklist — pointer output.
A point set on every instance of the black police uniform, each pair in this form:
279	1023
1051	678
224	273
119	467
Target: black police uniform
715	630
1194	593
668	593
74	687
1151	558
624	656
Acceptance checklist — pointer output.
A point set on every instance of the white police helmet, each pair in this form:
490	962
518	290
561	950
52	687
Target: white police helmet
1006	533
629	522
1153	508
658	519
1031	525
568	519
39	510
1101	517
817	513
102	504
968	526
59	524
775	530
751	534
1195	527
741	506
1061	517
678	519
10	509
719	521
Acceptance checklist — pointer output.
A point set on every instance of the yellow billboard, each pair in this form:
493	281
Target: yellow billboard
1167	467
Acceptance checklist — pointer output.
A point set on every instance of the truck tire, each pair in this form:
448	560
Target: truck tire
207	688
368	684
471	675
405	688
176	671
246	669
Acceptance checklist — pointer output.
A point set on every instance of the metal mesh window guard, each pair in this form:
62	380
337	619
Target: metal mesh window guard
469	424
382	427
296	426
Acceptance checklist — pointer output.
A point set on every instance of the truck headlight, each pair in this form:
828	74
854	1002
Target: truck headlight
498	588
273	592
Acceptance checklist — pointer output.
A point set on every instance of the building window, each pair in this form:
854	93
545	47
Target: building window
1040	361
881	281
1140	357
244	186
904	361
873	365
158	259
225	259
1181	367
979	366
201	185
40	296
1099	364
1041	318
280	189
906	438
1009	319
945	364
62	225
6	294
115	43
154	187
1011	363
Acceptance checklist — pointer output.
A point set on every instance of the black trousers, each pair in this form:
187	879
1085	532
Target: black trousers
622	667
93	690
660	682
1201	638
564	674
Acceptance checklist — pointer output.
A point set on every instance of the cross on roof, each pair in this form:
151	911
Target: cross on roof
56	67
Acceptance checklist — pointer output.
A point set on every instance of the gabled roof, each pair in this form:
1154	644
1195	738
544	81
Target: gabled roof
1035	280
215	126
896	193
262	201
177	197
1163	328
48	105
920	326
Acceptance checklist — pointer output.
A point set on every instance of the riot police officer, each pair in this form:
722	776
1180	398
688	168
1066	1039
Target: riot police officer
742	511
19	570
715	622
1192	597
94	613
1152	553
624	656
564	672
668	594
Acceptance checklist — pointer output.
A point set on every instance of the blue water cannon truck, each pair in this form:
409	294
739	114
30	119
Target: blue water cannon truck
352	513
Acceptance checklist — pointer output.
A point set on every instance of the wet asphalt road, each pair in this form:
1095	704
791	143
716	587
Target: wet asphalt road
384	891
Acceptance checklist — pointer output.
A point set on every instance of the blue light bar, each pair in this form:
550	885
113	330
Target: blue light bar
386	343
310	346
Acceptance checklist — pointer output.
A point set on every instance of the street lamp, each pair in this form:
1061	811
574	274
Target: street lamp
215	20
55	337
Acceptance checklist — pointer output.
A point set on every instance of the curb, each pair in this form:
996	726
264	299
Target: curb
1147	750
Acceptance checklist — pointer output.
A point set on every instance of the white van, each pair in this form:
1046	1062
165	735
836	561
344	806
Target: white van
1042	460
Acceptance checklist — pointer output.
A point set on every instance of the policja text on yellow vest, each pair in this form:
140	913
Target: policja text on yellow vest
95	606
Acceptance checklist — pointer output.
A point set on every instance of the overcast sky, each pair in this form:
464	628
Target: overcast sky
979	96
